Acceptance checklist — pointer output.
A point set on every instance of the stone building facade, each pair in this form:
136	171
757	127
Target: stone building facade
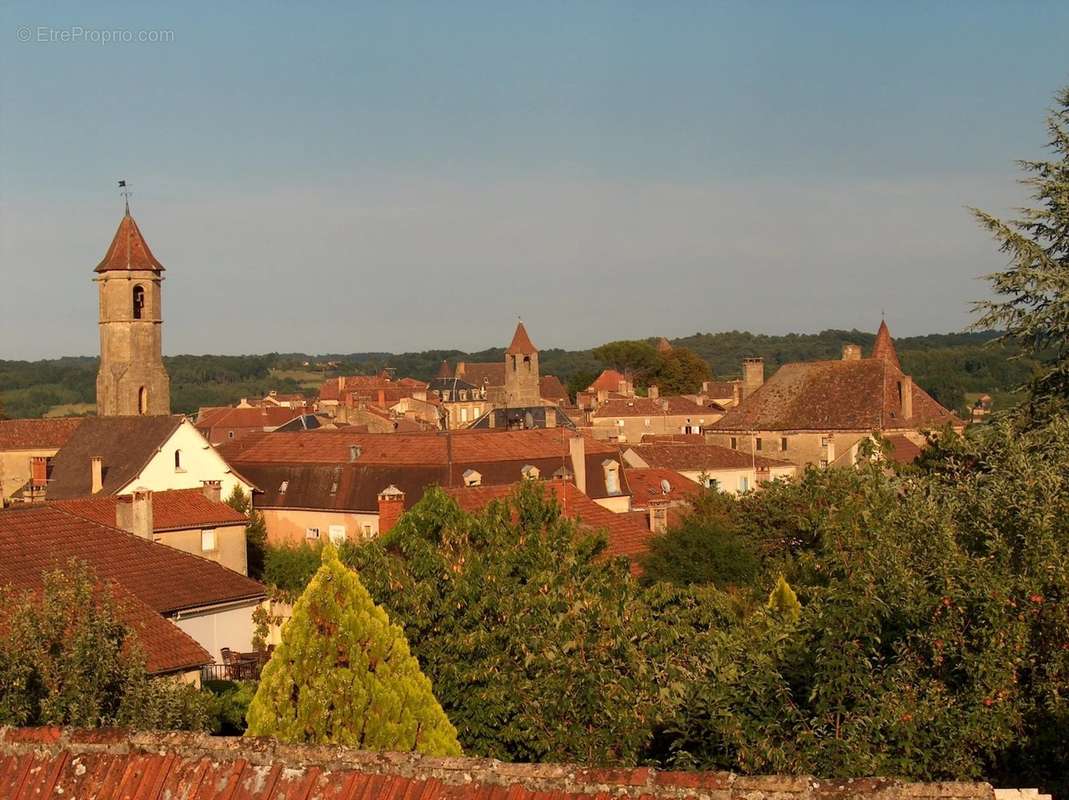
132	379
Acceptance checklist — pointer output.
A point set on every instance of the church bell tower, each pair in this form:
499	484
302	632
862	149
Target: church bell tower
132	379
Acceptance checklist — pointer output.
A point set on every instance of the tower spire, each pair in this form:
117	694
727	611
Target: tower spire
125	192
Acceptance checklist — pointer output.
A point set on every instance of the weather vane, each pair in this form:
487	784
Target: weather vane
125	194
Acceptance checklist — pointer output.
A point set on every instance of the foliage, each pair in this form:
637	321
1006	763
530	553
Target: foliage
68	659
289	568
532	640
680	371
636	358
783	602
707	547
1033	293
229	705
255	531
343	674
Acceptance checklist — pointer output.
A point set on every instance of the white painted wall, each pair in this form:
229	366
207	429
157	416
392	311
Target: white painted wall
213	630
200	462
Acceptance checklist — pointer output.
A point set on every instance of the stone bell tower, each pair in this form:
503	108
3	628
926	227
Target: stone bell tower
522	381
132	379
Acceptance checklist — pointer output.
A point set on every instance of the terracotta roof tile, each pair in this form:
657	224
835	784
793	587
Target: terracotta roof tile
884	347
126	445
521	342
645	407
646	485
108	765
178	509
483	373
128	250
608	381
36	539
904	450
37	434
550	388
167	647
857	395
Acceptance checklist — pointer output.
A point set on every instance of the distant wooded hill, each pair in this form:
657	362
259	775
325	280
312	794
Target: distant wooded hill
954	367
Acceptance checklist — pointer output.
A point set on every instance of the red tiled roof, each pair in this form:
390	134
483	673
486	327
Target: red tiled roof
128	250
608	380
332	446
167	647
267	416
109	764
483	373
37	434
692	457
521	342
37	539
663	345
884	348
177	509
678	438
626	537
904	450
550	388
721	390
645	407
857	395
445	371
646	484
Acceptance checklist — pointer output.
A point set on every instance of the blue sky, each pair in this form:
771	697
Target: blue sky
395	176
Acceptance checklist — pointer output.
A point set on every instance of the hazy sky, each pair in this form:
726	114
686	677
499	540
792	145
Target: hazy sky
402	176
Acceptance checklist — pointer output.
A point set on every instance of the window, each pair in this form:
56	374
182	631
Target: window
311	533
783	444
463	415
823	463
178	461
139	301
527	362
744	483
477	410
229	434
734	443
142	401
612	476
367	532
713	483
463	394
758	444
824	440
619	423
207	540
337	534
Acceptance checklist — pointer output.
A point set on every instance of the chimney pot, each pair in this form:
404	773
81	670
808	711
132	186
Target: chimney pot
391	507
133	513
96	467
213	490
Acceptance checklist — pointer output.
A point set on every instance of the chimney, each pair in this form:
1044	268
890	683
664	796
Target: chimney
391	507
736	392
38	472
133	513
354	452
213	490
658	511
382	397
551	417
577	451
905	389
96	466
851	352
753	375
653	392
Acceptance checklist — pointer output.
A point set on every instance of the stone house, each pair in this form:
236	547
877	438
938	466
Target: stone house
27	447
710	465
628	419
820	412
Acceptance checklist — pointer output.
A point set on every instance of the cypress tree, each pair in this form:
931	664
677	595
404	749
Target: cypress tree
784	601
343	674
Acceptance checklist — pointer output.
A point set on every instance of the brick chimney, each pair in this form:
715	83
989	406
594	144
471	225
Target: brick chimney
905	390
658	511
96	469
653	392
753	375
213	490
38	472
391	507
577	451
133	513
851	352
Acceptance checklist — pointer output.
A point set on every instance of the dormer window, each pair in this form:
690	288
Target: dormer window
530	472
283	487
612	476
472	478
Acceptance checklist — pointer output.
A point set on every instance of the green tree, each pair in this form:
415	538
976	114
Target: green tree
343	674
783	602
68	658
680	371
1033	302
636	358
255	532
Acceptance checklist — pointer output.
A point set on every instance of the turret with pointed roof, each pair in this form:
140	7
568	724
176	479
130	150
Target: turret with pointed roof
522	382
131	379
444	371
521	342
663	345
884	347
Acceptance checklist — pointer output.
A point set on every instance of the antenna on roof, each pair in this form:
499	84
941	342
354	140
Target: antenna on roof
125	192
